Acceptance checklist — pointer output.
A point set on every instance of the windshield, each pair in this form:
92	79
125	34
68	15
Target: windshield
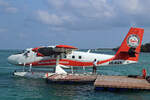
26	53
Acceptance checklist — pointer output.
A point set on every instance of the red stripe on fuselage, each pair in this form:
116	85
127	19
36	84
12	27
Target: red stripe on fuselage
105	61
66	62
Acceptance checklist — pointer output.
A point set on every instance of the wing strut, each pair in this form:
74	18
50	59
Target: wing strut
58	69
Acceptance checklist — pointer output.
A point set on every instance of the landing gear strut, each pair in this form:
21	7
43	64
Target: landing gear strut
84	69
58	69
72	69
24	65
30	69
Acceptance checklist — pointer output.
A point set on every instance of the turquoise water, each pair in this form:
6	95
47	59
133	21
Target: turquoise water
15	88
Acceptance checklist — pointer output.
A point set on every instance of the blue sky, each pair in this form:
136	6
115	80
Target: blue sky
81	23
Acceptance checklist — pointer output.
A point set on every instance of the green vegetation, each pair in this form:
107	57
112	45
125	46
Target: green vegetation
144	48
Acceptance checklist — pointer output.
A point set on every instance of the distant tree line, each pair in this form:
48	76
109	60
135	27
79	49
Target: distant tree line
144	48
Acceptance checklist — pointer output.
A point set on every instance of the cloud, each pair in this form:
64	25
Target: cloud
76	14
11	10
101	13
6	7
57	3
3	30
129	6
75	21
85	8
47	18
81	14
2	3
52	19
92	9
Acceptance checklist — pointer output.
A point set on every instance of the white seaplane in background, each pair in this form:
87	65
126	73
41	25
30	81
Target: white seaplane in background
67	56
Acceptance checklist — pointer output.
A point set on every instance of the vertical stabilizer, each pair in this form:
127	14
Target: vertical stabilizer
131	46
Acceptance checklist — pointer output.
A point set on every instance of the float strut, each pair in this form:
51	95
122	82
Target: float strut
24	67
30	69
84	69
72	69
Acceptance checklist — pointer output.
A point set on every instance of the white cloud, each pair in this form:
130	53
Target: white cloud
85	8
84	13
103	8
57	3
11	10
47	18
2	3
52	19
6	7
2	30
80	4
56	29
129	6
92	8
100	8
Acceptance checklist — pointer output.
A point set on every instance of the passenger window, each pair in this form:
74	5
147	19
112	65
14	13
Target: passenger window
73	57
55	56
65	56
80	57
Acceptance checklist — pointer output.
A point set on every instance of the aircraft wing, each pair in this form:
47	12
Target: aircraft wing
54	50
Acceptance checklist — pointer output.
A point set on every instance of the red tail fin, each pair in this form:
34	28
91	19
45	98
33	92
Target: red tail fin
130	48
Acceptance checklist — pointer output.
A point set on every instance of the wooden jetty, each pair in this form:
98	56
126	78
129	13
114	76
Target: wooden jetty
101	82
72	78
121	82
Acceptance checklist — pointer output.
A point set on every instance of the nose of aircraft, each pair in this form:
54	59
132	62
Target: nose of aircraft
13	59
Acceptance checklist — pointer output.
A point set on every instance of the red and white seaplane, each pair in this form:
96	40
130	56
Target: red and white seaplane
68	56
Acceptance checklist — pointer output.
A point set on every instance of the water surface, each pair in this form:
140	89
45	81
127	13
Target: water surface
15	88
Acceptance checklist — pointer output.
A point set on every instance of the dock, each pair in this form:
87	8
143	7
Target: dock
100	82
72	78
121	82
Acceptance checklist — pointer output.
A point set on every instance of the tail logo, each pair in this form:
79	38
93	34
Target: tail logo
133	41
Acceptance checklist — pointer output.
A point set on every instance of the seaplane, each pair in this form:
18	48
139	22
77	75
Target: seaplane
66	56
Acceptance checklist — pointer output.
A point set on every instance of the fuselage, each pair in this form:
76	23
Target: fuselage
74	58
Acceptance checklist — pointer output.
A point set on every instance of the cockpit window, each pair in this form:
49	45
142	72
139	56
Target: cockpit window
65	56
23	51
26	53
46	51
